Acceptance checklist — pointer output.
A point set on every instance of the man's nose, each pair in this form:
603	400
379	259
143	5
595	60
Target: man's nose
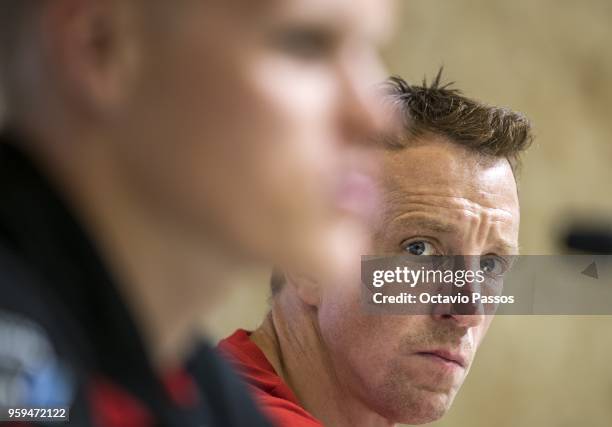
466	311
465	314
468	319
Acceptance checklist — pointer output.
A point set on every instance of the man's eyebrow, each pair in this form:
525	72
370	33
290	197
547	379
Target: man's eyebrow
427	223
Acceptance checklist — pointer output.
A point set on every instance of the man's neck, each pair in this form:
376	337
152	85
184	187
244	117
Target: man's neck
291	341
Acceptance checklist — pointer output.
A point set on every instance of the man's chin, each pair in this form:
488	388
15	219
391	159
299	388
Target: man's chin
427	412
421	406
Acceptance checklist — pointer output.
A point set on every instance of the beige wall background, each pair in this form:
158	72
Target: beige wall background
551	59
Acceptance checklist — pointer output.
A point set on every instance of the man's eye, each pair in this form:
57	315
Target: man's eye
419	247
305	43
493	266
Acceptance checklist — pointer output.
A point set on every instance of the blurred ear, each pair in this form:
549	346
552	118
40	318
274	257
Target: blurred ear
307	289
91	48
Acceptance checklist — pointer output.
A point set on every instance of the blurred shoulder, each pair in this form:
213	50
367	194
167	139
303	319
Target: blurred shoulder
33	368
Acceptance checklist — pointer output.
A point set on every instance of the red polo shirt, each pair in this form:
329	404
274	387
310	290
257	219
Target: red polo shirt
274	396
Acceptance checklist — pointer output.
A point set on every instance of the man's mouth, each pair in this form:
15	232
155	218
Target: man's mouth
445	356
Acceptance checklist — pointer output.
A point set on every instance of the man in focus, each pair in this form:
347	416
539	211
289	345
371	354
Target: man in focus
449	188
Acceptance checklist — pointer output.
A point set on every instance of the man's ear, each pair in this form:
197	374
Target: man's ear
307	289
91	46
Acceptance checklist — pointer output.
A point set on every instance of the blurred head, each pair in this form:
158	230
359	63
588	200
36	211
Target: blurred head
242	122
448	188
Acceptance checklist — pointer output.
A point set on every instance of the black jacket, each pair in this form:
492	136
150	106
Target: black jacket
66	337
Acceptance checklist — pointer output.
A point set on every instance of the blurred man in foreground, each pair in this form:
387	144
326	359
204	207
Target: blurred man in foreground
448	188
152	148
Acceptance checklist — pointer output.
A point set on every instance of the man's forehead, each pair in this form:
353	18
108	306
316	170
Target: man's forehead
372	17
440	188
439	168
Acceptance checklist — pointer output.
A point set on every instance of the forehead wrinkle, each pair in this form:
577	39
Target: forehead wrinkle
488	230
400	198
483	227
488	221
503	245
426	221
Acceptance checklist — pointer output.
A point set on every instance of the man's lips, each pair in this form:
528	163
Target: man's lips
446	356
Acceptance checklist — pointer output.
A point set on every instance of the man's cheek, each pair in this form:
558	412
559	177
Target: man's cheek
382	340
